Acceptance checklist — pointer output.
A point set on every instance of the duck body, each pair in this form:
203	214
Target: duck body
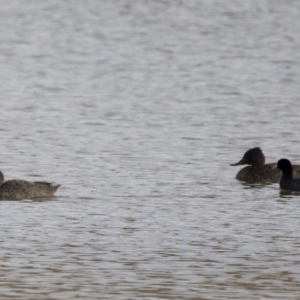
22	189
258	171
259	174
287	182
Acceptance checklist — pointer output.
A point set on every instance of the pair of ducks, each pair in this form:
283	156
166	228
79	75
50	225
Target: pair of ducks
22	189
259	172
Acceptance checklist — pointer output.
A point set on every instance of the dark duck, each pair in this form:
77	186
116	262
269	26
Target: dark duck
287	182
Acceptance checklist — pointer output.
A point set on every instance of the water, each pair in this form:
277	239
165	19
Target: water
137	108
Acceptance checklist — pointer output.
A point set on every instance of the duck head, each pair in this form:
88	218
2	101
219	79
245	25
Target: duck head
253	157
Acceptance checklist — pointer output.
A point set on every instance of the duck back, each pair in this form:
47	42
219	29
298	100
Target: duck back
22	189
296	171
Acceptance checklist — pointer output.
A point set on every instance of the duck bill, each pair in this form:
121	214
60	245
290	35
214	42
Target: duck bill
241	162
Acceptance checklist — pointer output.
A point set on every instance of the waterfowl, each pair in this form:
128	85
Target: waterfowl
258	171
22	189
287	182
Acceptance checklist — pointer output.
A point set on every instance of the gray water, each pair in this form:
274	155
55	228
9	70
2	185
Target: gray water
137	108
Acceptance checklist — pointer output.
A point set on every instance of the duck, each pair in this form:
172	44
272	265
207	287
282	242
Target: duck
22	189
287	182
258	171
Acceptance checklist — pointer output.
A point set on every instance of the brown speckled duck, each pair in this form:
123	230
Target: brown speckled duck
22	189
258	171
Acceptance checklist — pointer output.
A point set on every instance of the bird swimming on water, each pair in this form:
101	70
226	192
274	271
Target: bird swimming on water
287	182
258	171
22	189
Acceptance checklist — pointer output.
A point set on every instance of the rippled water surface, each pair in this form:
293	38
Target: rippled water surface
137	108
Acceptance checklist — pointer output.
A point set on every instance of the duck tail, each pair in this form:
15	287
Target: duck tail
55	187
